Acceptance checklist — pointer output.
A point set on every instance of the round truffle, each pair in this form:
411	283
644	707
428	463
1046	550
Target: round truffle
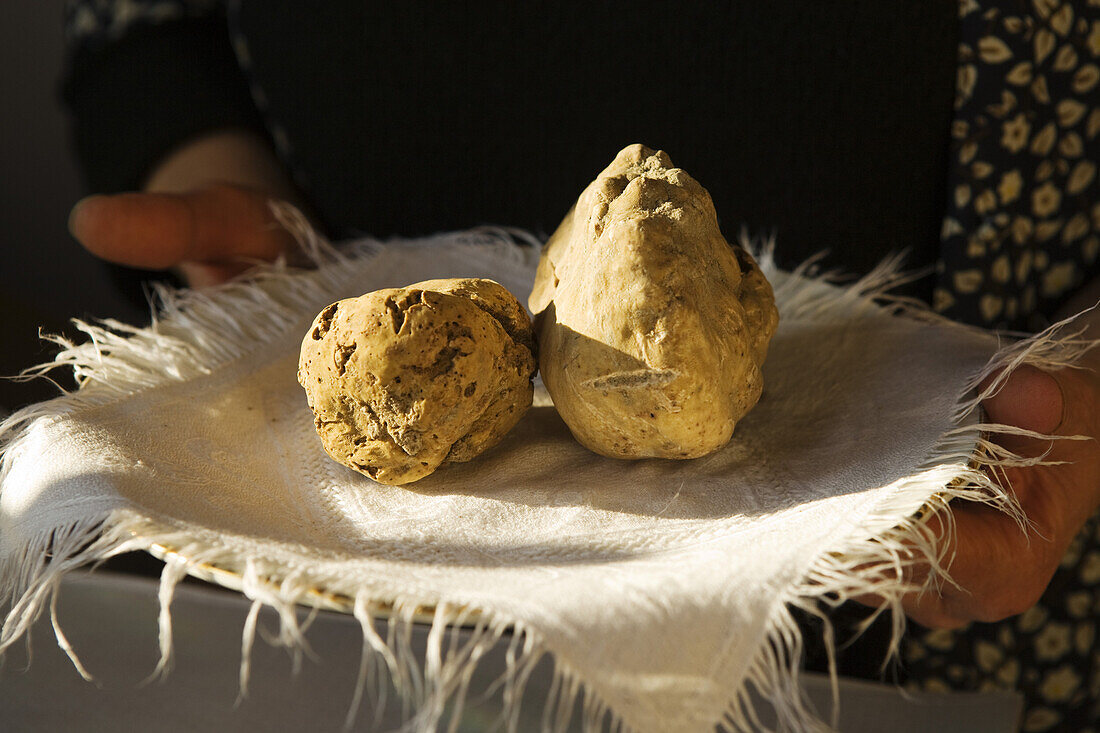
403	380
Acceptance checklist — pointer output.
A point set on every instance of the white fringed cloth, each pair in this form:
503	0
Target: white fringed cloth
662	590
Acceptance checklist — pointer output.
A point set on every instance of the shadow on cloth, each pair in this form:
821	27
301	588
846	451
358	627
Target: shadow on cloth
813	414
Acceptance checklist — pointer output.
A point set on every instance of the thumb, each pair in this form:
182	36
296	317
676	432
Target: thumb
158	230
1030	399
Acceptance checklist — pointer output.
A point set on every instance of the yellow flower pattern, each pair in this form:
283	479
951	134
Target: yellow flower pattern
1025	147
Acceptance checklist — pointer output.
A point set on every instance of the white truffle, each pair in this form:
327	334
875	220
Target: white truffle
653	328
401	381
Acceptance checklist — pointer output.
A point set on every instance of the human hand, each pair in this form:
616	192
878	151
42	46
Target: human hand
998	570
210	234
203	210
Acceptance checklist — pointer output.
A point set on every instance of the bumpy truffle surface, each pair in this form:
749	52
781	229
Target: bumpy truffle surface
403	380
653	328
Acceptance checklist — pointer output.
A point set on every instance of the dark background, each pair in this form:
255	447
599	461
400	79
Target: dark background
804	182
46	278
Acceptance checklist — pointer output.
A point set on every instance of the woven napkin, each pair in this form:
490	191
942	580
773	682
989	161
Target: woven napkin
662	590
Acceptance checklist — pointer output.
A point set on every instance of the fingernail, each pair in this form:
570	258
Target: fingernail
1030	398
1065	406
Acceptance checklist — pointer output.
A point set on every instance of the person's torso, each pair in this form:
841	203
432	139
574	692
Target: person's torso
825	123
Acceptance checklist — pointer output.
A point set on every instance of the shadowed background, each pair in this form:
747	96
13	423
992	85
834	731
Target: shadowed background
46	278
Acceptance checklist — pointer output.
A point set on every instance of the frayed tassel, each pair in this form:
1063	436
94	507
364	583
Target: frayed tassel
63	642
195	333
171	574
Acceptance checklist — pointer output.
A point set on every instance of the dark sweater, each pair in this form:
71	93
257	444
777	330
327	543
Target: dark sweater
826	123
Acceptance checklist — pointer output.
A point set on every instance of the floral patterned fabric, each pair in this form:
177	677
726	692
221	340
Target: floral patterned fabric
94	23
1020	233
1022	226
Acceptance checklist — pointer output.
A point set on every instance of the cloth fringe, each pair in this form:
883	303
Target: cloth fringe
194	333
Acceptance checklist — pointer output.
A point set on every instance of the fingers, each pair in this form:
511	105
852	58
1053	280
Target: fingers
218	224
997	569
1081	388
1030	399
204	275
1000	569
